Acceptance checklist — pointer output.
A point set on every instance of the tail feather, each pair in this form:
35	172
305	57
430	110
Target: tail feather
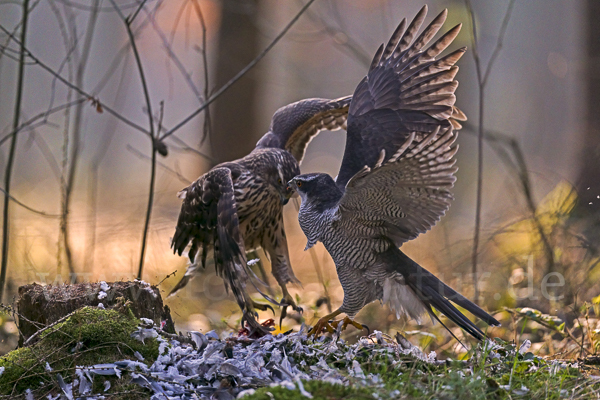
435	293
180	285
432	298
467	304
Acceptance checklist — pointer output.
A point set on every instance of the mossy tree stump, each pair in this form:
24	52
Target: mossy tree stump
43	305
89	336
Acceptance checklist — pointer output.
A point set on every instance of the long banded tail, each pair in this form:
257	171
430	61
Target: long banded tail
435	293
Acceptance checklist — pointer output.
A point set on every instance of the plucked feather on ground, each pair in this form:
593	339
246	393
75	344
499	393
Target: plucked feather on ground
394	182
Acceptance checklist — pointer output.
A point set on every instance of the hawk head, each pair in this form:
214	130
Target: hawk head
277	167
317	189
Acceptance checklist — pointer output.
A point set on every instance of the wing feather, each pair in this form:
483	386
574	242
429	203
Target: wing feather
407	85
208	218
295	125
406	195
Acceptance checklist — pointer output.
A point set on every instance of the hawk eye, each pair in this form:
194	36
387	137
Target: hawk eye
279	181
298	183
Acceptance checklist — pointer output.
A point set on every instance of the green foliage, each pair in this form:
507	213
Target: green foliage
319	390
496	370
90	336
551	322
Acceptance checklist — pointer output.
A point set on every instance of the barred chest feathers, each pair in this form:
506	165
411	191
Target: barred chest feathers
259	211
316	225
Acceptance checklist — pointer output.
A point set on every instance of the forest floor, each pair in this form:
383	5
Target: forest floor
110	354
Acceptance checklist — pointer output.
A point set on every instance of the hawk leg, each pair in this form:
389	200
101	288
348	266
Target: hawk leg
324	323
287	301
348	321
262	307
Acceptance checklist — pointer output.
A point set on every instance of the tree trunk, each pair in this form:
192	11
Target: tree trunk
234	131
588	182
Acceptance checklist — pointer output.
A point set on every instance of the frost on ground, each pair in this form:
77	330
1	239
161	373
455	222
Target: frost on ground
237	365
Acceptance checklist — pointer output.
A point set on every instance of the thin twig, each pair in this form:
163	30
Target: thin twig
243	72
519	166
41	116
185	147
170	170
207	130
152	137
37	333
25	206
76	142
482	80
187	77
139	65
130	19
349	45
109	109
12	151
167	277
108	135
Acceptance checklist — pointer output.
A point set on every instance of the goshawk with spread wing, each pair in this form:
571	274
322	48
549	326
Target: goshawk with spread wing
394	182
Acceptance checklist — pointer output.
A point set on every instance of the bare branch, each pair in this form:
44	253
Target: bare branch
499	142
41	116
482	80
76	143
72	86
139	65
187	148
12	151
347	44
142	156
25	206
151	123
207	130
129	20
172	56
243	72
500	41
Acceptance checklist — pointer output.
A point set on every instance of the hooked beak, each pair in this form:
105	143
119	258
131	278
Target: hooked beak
291	187
289	192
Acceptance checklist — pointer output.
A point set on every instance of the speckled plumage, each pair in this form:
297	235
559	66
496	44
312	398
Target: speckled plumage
395	179
234	208
237	206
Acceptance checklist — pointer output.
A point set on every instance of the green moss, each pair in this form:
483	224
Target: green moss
101	336
319	391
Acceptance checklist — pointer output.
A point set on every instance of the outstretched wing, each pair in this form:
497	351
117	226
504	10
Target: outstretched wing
295	125
407	194
406	90
209	217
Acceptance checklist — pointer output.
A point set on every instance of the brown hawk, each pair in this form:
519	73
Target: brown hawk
237	206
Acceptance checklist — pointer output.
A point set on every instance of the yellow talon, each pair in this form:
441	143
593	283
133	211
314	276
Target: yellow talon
324	323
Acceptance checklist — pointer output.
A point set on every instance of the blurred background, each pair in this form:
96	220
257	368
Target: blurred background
82	161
